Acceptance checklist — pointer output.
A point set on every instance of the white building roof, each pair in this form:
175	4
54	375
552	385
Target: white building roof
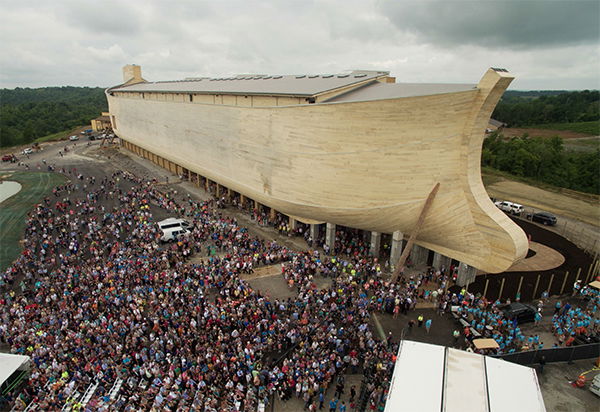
9	364
432	378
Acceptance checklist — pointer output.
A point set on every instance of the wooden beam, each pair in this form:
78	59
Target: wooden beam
415	232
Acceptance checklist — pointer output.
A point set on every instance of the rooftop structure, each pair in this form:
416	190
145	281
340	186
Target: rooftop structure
358	85
284	85
432	378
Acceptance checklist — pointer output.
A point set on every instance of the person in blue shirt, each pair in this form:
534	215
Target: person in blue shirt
333	405
557	307
428	325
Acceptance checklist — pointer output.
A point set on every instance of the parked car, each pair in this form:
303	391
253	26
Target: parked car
510	207
523	312
27	150
544	218
73	138
9	158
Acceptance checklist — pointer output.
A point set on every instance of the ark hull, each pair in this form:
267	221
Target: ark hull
368	165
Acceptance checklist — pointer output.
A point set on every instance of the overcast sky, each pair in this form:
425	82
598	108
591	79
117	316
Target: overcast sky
546	44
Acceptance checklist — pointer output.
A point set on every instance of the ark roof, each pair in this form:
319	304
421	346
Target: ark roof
380	91
295	85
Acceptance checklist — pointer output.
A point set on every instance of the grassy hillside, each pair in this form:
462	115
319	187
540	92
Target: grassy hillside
592	128
59	135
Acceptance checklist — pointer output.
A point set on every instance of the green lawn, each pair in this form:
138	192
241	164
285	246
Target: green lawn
13	211
591	128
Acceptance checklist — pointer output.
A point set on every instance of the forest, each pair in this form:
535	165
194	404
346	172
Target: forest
544	160
27	114
518	109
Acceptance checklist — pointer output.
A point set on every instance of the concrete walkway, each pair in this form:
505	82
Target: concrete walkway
559	395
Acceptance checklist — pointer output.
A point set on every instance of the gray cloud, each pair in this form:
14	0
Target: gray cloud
509	24
114	18
68	42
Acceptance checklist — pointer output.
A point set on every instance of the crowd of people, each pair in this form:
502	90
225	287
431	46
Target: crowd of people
569	321
104	301
577	322
488	320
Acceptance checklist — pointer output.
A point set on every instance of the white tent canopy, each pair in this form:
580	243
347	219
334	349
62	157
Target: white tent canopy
10	363
432	378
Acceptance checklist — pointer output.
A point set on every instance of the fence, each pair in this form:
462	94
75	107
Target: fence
589	351
531	286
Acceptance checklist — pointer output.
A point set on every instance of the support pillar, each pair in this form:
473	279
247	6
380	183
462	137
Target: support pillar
229	194
550	285
242	200
375	244
501	289
418	255
396	251
535	288
272	214
218	191
313	233
440	261
293	223
466	274
330	236
562	288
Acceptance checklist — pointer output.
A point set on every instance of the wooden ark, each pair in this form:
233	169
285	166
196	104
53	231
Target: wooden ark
366	157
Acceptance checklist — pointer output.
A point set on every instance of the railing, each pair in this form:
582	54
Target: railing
112	394
32	405
87	396
568	354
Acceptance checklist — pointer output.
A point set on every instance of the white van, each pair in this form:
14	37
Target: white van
510	207
173	228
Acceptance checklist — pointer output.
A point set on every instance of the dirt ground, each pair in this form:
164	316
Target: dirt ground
571	206
565	134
